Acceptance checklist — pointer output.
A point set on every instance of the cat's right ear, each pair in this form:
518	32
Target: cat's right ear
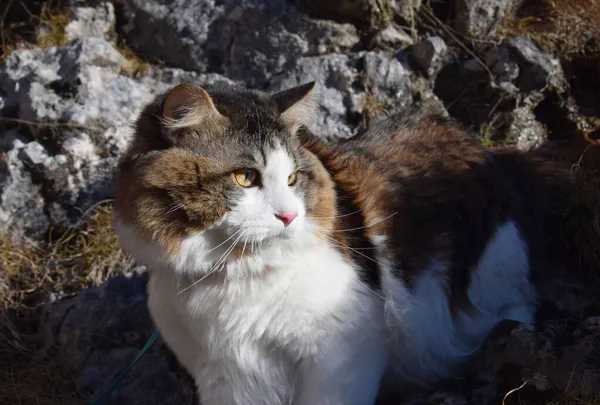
189	105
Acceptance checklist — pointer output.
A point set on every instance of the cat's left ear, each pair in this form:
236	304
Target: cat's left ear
297	106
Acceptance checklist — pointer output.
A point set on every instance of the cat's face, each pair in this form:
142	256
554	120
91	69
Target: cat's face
271	196
226	166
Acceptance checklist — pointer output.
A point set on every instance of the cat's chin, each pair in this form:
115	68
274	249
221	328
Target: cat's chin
285	236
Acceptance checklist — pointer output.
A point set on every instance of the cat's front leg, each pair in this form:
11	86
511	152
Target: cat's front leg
346	373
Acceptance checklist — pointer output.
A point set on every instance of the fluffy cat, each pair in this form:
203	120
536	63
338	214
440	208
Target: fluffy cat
287	270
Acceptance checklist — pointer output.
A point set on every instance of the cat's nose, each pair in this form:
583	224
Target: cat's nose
286	217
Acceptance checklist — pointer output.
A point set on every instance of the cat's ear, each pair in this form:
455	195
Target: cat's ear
189	105
297	106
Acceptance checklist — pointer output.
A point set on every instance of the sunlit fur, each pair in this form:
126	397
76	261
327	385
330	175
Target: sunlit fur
410	244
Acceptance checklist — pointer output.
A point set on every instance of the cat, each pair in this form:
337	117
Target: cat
289	270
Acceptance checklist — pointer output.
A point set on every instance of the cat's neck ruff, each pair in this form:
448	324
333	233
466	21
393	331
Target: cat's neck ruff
202	257
198	257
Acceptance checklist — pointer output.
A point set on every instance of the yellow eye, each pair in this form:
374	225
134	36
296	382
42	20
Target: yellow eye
246	177
292	178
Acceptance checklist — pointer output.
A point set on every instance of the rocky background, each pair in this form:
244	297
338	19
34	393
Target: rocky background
74	74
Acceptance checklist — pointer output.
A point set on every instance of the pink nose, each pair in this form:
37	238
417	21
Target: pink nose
286	217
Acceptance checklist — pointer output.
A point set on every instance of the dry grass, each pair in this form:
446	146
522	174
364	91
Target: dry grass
372	108
574	392
574	396
372	105
82	257
52	24
562	27
488	131
42	25
136	65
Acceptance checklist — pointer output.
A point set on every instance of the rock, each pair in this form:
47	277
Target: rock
525	129
369	15
357	88
514	78
479	18
8	139
92	22
102	330
21	201
391	38
407	9
538	69
430	54
250	40
336	76
390	81
521	69
78	105
505	69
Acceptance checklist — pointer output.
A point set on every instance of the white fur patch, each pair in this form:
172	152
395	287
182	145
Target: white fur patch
500	286
430	344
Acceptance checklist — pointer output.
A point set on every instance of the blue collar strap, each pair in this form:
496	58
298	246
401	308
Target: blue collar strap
103	398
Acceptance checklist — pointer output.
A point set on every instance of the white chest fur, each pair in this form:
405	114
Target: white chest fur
257	338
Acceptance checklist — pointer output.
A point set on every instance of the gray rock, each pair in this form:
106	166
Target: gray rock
92	22
8	139
527	132
335	75
478	18
391	38
390	80
102	330
90	51
354	88
503	66
407	9
513	79
367	14
43	64
538	69
78	104
520	69
249	40
21	200
430	54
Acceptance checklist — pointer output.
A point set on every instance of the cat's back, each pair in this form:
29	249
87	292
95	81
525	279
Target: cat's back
411	141
432	191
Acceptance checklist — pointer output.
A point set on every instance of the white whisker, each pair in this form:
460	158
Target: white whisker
335	216
225	241
366	226
221	261
354	250
372	290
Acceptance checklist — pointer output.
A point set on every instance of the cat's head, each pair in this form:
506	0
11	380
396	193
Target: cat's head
223	163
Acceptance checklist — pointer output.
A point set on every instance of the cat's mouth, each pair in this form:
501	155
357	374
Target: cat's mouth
272	238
